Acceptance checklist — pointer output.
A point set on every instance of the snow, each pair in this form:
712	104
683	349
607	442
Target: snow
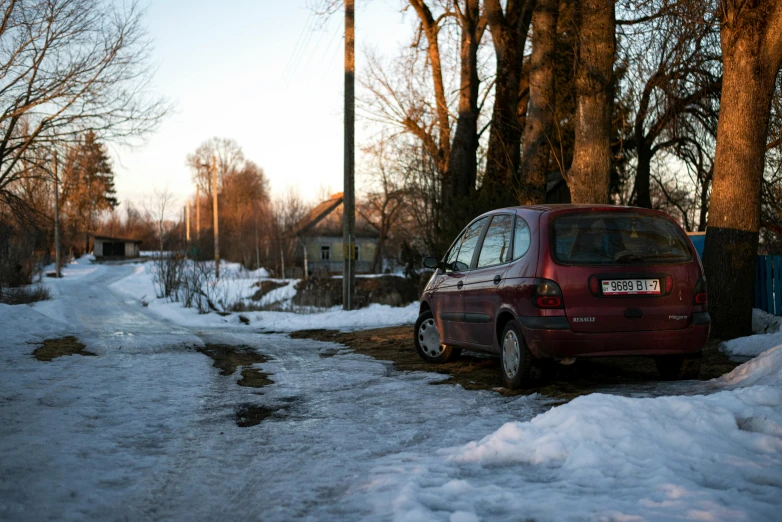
764	322
236	285
767	336
146	429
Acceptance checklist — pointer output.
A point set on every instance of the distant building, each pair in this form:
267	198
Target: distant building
320	231
115	248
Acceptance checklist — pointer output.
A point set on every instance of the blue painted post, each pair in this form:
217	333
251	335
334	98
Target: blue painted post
761	286
757	282
769	285
778	285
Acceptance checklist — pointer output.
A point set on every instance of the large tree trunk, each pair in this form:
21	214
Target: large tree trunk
509	33
542	98
589	174
463	162
751	40
643	173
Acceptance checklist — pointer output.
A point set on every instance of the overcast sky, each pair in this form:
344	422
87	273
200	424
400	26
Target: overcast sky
267	73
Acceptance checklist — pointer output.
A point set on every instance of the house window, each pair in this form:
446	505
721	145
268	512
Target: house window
325	253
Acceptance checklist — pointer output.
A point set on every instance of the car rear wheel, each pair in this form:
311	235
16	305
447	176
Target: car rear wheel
679	367
427	341
516	359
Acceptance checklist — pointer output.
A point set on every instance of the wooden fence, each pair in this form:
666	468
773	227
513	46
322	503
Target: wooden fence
768	284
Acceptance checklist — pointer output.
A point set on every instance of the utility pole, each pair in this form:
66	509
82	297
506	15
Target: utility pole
348	196
56	218
198	213
214	208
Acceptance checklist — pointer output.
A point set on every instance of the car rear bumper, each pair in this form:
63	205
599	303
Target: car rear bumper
558	340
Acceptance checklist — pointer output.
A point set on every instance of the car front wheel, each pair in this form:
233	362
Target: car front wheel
427	341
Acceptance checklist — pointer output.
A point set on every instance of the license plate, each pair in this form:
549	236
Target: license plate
631	286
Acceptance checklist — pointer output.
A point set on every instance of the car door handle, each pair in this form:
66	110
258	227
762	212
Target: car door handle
497	279
460	284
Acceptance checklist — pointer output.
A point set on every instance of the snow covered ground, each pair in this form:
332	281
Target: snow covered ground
237	285
146	430
767	335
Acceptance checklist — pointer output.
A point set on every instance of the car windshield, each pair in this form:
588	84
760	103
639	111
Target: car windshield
617	238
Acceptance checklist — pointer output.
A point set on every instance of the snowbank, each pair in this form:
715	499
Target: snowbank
767	336
236	285
607	457
764	322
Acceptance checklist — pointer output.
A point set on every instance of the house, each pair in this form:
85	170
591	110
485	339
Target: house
320	231
114	247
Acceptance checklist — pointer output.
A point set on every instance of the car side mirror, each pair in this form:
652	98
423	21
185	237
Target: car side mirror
431	262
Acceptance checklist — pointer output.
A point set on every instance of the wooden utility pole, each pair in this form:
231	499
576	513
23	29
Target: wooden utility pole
214	208
56	217
198	213
349	199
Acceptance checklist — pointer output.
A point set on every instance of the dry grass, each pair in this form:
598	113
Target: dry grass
478	372
50	349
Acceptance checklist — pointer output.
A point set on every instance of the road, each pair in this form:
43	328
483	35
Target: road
147	429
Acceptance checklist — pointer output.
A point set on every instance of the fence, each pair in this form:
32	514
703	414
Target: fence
768	284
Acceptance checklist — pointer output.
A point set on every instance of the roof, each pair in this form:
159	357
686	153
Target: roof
325	220
117	239
317	214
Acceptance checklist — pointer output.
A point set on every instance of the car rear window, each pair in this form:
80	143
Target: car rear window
613	238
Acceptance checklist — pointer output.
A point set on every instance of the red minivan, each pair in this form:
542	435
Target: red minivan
559	282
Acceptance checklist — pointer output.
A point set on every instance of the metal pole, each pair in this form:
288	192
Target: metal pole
348	201
214	206
56	218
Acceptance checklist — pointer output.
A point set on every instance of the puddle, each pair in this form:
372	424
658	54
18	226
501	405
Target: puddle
50	349
229	358
249	415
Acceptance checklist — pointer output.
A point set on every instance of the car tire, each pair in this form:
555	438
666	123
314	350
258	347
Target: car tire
679	367
427	341
515	358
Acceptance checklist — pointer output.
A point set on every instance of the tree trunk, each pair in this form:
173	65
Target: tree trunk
589	174
751	40
704	210
542	98
643	174
509	33
463	161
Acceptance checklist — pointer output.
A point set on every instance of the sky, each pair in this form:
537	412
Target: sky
265	73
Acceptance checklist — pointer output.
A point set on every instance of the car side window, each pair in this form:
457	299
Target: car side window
521	238
496	245
450	257
469	243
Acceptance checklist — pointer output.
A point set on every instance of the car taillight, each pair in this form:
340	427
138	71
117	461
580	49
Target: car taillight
546	294
594	285
701	292
668	284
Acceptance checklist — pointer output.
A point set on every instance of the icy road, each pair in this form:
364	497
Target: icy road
146	430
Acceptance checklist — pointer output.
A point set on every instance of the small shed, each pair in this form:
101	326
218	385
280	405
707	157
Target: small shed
320	231
115	247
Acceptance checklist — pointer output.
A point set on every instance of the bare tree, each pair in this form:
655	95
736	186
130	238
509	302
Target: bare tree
589	174
68	67
509	35
158	205
227	153
751	38
384	204
542	99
